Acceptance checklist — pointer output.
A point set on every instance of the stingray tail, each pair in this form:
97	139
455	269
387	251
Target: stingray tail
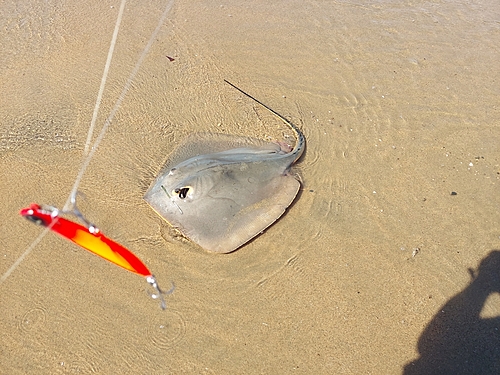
301	140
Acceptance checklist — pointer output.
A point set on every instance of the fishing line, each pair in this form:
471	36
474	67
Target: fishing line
104	78
130	79
24	255
88	154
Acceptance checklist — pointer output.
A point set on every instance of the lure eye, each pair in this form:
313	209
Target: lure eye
182	192
34	219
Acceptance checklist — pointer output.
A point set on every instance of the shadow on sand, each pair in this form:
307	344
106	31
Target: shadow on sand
457	340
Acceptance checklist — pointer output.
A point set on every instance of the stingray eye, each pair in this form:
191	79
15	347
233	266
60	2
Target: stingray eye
182	192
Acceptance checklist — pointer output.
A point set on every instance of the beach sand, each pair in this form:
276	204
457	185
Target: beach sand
375	265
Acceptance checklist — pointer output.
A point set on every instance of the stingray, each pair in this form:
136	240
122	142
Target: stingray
221	191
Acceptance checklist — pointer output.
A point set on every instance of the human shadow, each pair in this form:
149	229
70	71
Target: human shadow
457	341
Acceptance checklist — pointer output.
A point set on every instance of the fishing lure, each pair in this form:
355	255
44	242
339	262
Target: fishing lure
90	238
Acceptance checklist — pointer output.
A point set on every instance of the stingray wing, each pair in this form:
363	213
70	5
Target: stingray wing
222	224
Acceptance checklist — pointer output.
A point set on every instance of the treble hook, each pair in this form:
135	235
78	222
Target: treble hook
159	293
75	211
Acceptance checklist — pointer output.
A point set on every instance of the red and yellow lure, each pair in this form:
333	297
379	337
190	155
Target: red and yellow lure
90	238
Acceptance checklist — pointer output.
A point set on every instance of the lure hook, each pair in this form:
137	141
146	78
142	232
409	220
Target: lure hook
159	293
73	210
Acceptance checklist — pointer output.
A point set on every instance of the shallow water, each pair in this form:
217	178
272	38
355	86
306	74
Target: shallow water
399	106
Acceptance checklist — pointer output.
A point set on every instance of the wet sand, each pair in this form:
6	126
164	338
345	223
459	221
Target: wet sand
376	264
